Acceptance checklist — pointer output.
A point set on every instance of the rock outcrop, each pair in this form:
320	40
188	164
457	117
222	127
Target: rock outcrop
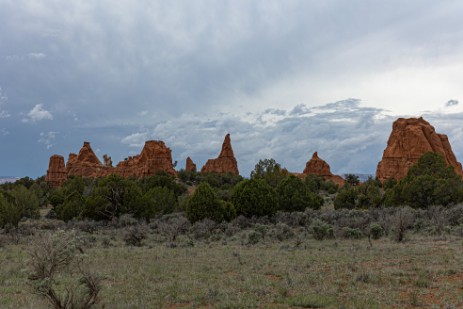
225	163
154	158
86	163
409	140
319	167
56	173
190	165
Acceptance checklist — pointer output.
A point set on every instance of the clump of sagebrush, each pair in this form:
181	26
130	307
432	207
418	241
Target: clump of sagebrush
58	274
134	235
321	230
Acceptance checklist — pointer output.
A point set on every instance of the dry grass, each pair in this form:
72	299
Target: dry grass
423	272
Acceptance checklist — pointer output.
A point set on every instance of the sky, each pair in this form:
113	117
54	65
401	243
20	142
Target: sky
284	78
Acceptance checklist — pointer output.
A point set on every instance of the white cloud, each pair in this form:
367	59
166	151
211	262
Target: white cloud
47	139
135	140
290	136
36	56
3	99
38	113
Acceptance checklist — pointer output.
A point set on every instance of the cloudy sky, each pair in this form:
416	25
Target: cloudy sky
285	78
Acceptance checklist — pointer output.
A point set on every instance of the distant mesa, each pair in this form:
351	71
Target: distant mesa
155	157
225	163
319	167
409	140
190	165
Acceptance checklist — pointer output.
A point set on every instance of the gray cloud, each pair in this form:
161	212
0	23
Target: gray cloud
200	69
451	103
350	137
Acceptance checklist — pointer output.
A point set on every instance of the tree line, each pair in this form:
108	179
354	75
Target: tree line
270	189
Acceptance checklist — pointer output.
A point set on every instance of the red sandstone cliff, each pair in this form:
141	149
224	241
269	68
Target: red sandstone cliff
409	140
319	167
225	163
155	157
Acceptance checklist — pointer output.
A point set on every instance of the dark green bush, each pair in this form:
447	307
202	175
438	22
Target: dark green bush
376	231
254	197
9	214
205	204
294	195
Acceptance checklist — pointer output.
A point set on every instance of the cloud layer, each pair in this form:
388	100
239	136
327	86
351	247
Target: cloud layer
190	71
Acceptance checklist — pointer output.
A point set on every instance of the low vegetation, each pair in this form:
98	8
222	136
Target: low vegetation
207	240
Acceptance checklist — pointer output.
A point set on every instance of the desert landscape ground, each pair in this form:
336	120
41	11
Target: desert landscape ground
261	266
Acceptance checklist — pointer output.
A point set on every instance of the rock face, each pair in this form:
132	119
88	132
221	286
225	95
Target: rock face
319	167
56	173
225	163
86	163
190	165
409	140
155	157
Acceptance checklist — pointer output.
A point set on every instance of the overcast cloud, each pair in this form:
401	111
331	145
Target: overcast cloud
119	72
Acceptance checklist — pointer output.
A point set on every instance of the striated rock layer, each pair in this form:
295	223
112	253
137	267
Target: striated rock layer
56	173
225	163
319	167
190	165
409	140
155	157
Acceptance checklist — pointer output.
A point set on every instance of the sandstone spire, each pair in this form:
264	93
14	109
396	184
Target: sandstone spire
225	163
190	165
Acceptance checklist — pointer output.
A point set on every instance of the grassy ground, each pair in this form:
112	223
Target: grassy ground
422	272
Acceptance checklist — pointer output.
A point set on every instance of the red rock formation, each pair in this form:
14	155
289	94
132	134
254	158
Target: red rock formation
56	173
155	157
319	167
409	140
86	163
225	163
190	165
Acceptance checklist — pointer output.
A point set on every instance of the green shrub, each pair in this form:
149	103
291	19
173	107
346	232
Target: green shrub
253	237
9	214
345	198
352	233
254	197
321	230
376	231
157	201
294	195
205	204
